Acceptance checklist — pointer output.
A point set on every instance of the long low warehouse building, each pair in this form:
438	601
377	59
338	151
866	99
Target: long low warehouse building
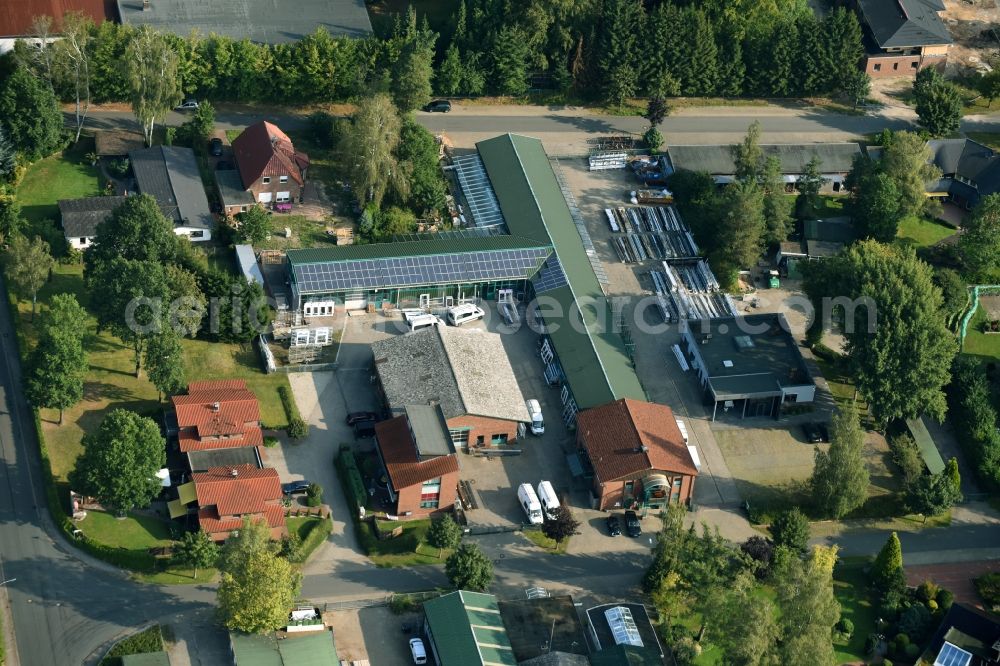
531	246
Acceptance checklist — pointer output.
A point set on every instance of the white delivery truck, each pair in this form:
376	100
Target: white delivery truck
529	502
547	496
537	422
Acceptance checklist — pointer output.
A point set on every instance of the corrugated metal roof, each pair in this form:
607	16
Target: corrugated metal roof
451	618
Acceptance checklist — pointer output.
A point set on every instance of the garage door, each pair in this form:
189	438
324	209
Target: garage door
264	197
284	196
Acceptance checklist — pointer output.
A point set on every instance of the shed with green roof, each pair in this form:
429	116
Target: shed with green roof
295	649
465	629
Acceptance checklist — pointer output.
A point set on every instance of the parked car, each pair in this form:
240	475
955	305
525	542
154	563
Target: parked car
223	165
614	525
188	103
364	429
295	487
535	412
417	651
812	433
824	432
632	526
215	146
438	106
355	417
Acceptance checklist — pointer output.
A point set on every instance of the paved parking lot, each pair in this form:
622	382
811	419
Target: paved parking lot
374	634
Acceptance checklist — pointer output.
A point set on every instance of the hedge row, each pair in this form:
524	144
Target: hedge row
351	479
972	403
318	531
297	428
147	640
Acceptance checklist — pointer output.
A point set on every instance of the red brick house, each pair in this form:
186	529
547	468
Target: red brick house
227	495
218	431
270	168
419	459
901	37
638	455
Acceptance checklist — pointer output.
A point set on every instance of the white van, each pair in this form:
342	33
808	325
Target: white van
423	321
529	502
535	412
460	314
683	429
547	496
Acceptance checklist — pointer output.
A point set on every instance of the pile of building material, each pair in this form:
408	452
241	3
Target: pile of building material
689	290
650	232
601	160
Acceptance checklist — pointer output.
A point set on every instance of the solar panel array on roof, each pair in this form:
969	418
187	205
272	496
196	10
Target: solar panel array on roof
551	276
478	191
951	655
623	626
407	271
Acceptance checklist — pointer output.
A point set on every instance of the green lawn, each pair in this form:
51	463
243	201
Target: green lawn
536	537
137	532
921	232
978	343
850	585
408	549
305	233
64	175
833	206
312	532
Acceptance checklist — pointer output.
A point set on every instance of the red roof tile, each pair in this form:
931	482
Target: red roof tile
615	434
399	452
189	441
246	491
211	523
264	150
214	409
16	15
216	384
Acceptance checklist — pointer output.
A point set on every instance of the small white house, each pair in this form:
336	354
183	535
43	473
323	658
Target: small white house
80	218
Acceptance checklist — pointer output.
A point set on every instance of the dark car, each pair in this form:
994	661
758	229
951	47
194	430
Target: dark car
824	432
438	106
812	433
223	165
364	429
355	417
632	526
215	147
614	525
295	487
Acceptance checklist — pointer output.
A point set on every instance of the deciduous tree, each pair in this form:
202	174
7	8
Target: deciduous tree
72	62
468	568
937	101
791	530
369	149
254	225
989	86
748	156
809	609
257	586
560	524
907	160
152	75
778	223
444	533
119	462
980	244
56	368
137	231
165	362
27	265
876	207
839	482
751	626
933	494
196	550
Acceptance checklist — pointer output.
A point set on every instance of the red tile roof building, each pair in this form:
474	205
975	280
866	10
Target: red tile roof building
423	484
638	455
227	495
16	15
270	168
217	415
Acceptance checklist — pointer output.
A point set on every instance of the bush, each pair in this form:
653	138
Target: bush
912	651
297	429
915	621
761	551
653	139
147	640
290	545
825	353
845	627
932	605
401	603
900	642
871	643
288	402
988	587
686	650
322	129
270	441
945	599
928	591
791	529
314	495
351	480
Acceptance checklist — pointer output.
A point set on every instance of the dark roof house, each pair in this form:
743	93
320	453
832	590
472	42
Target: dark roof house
965	637
170	175
969	170
80	217
904	23
259	21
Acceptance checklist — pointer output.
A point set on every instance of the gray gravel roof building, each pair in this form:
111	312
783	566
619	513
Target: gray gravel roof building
717	160
170	175
465	371
262	21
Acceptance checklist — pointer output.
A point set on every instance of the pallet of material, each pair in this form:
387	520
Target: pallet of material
653	196
607	160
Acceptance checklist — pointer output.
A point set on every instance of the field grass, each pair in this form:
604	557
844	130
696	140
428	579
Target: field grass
916	231
65	175
977	343
408	549
850	586
537	537
305	233
832	207
137	532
